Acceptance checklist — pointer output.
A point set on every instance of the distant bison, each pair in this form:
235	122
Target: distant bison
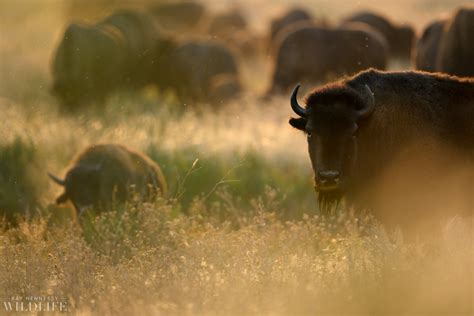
191	69
103	174
456	49
92	61
359	127
427	46
316	54
179	16
286	18
400	38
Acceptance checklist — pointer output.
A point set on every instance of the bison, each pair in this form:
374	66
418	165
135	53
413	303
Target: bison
315	54
427	46
456	48
93	60
285	19
103	174
400	38
381	138
191	69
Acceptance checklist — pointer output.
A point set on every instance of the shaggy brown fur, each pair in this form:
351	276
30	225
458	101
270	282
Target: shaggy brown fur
400	38
316	54
103	174
92	61
427	46
457	46
422	123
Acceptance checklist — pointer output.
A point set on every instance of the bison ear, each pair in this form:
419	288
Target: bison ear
62	199
298	123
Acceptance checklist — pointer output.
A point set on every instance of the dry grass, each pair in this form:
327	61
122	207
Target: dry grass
244	246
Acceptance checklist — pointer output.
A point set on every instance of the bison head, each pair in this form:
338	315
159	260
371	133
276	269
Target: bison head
330	121
81	187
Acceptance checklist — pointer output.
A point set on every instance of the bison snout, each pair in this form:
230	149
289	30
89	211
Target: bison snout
328	175
328	180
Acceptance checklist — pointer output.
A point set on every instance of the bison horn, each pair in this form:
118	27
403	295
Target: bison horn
56	179
366	111
298	109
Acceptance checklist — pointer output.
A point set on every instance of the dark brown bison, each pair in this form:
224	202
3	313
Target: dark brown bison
92	61
427	46
191	69
391	141
400	38
179	16
104	174
286	18
316	54
456	49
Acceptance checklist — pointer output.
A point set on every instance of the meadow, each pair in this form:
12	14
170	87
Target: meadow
239	232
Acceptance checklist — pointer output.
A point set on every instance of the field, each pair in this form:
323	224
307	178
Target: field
239	233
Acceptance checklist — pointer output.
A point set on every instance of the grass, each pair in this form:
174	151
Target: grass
239	233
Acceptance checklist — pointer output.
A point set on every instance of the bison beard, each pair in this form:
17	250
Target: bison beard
329	200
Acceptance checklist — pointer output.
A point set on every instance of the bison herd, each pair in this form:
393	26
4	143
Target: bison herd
354	126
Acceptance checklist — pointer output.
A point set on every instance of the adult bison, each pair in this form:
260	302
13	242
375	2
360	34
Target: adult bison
103	174
427	46
456	48
316	54
93	60
400	38
400	143
193	68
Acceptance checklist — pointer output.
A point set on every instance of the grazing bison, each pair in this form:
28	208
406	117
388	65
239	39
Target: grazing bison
315	54
92	61
456	48
179	16
427	46
384	138
400	38
192	68
103	174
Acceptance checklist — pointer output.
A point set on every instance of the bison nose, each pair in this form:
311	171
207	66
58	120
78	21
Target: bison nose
328	175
